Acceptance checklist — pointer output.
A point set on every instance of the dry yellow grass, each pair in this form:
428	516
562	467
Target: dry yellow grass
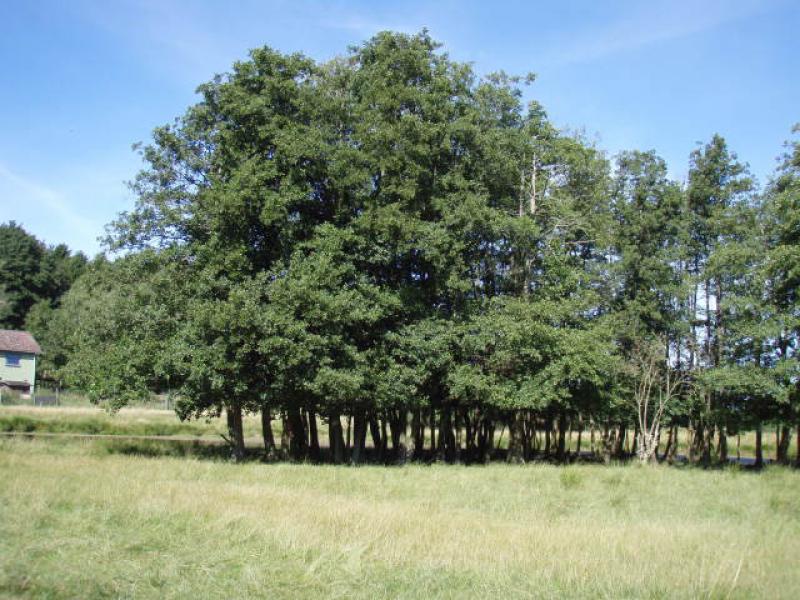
77	521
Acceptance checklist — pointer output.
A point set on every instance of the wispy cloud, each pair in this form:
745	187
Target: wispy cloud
650	23
177	38
34	195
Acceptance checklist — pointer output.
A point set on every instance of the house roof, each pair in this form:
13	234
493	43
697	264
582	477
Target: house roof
18	341
15	384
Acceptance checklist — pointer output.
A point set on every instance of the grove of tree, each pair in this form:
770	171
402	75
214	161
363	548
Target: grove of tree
390	240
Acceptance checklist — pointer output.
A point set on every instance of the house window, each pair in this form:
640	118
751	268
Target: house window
12	360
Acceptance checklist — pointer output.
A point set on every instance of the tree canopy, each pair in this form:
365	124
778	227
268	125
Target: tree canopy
389	236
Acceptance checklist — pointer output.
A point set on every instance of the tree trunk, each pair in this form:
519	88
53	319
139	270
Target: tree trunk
398	428
669	443
708	442
548	427
443	450
433	433
297	434
375	432
469	436
336	438
562	437
797	457
489	439
759	463
384	437
457	435
619	447
285	435
676	439
235	431
306	429
782	450
486	439
722	446
609	442
313	436
359	436
266	429
528	433
418	433
516	450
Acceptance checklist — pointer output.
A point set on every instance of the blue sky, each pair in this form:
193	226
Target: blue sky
84	80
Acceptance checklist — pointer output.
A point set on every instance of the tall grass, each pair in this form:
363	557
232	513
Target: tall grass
131	421
76	521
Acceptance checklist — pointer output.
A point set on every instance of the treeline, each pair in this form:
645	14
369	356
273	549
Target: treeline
33	276
390	239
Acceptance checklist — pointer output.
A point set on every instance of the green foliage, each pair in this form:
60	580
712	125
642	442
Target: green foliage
31	273
390	232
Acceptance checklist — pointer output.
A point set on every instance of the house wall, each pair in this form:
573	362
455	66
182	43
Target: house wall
26	371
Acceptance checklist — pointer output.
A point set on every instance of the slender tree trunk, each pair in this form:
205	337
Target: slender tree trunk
235	431
529	433
305	428
568	445
486	439
384	437
619	448
609	443
708	442
442	450
676	438
359	436
516	452
783	445
313	435
470	438
433	433
797	456
490	439
418	433
548	422
375	432
580	435
398	426
285	435
297	434
759	463
669	443
336	438
457	438
482	434
722	446
562	433
266	429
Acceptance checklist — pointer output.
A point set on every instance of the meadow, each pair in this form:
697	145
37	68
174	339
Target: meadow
96	518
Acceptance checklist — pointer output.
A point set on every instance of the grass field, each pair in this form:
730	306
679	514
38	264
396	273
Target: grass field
80	520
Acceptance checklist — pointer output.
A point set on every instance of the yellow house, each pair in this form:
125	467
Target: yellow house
18	351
